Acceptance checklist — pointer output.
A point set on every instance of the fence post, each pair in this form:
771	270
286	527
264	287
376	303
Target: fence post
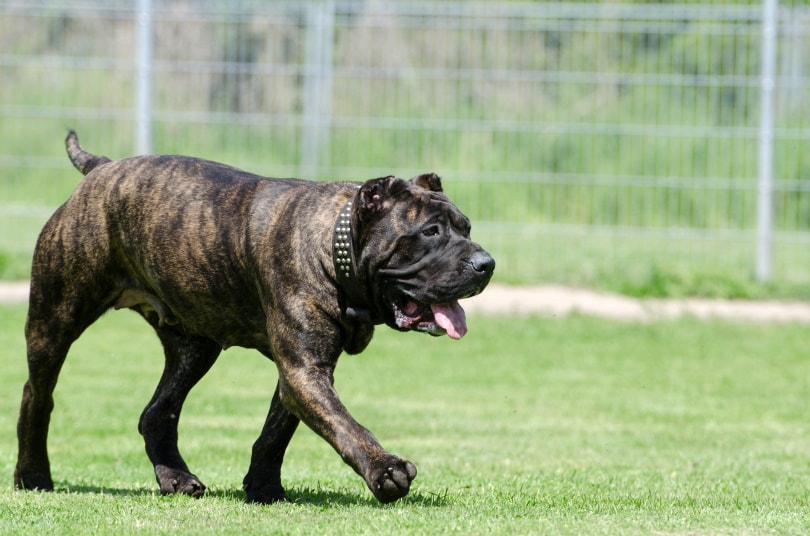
143	97
766	142
317	91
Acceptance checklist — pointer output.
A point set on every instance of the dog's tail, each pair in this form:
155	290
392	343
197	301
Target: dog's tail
82	160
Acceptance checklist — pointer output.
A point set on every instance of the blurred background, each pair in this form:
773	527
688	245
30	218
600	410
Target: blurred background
650	148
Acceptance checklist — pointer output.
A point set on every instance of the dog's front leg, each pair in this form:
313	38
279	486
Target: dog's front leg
306	388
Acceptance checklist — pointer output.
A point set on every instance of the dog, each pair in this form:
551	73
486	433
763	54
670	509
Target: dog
211	257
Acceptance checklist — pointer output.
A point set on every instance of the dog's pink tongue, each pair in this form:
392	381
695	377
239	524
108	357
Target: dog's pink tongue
451	317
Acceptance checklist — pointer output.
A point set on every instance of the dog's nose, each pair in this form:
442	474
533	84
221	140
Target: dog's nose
482	262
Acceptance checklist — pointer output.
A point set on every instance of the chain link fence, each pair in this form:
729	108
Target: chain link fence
604	144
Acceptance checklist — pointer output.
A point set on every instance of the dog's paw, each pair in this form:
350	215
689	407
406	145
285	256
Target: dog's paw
33	481
392	480
267	493
174	481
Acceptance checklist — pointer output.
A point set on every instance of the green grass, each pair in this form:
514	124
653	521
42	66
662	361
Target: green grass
528	425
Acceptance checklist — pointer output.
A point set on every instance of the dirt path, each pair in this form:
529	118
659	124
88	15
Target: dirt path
12	292
556	300
553	300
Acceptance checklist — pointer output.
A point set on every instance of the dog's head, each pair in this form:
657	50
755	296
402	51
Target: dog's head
415	254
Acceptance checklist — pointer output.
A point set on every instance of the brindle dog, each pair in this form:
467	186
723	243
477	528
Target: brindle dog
212	257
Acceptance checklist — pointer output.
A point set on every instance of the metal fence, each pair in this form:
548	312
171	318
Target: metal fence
619	145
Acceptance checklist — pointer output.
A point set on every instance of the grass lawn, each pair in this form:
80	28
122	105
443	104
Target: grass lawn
528	425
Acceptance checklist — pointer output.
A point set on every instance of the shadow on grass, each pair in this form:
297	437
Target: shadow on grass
324	498
338	498
97	490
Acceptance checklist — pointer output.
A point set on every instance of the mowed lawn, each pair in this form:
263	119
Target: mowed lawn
531	425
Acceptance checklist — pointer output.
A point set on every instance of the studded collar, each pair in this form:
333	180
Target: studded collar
355	306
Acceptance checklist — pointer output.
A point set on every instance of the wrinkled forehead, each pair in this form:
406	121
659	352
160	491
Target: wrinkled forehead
428	206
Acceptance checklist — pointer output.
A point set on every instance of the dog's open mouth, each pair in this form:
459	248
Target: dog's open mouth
436	319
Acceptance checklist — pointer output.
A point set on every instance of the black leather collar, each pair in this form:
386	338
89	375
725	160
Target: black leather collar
356	306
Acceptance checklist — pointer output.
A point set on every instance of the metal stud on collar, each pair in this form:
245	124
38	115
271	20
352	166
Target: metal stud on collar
342	242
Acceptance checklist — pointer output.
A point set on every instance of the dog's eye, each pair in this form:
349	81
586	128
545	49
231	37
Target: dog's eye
433	230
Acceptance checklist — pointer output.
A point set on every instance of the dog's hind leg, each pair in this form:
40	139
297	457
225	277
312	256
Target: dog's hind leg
59	311
188	358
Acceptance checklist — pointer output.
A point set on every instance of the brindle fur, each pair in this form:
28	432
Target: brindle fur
212	257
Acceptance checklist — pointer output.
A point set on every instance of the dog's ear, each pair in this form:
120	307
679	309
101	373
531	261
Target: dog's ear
378	195
428	181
